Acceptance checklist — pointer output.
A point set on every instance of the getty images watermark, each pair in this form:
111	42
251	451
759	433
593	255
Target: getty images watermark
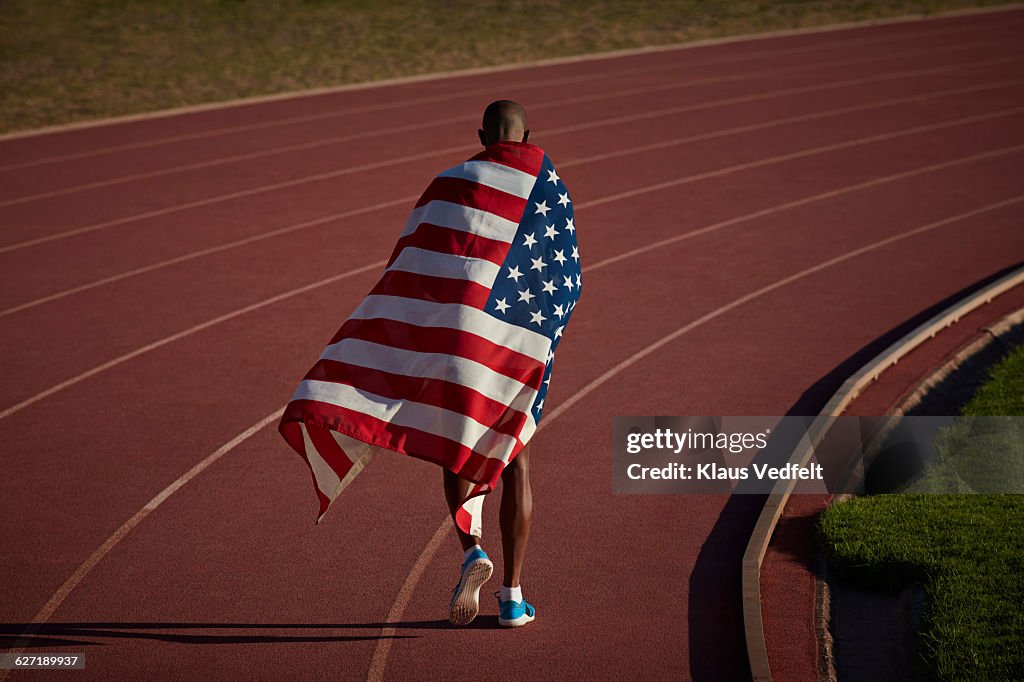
834	455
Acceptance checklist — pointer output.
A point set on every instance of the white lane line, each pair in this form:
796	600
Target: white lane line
608	93
380	653
213	249
565	80
967	120
58	597
597	75
583	99
182	334
796	203
294	292
382	649
922	18
598	157
803	90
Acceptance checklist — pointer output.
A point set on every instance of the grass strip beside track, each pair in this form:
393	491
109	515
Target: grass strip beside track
73	60
1003	392
966	550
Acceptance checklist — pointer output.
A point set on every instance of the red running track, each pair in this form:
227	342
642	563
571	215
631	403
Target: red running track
752	214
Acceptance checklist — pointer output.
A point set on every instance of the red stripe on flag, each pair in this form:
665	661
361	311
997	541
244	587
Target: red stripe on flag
292	432
477	196
518	155
430	288
330	451
449	454
445	240
464	519
439	393
449	341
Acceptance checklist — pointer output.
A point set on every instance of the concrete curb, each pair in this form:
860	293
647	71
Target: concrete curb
757	650
1008	329
612	54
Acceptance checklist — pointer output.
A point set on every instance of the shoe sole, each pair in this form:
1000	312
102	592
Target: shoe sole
515	622
466	604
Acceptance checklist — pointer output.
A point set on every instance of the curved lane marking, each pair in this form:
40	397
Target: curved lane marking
383	647
613	54
260	189
381	651
624	195
411	127
590	159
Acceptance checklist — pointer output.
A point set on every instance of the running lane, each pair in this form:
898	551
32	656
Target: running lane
751	215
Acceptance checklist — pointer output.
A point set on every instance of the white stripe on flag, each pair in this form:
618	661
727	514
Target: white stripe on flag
435	420
494	175
356	450
457	370
455	316
436	264
326	478
462	218
528	428
474	506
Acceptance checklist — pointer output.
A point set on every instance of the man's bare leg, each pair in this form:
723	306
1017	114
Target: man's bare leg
476	566
455	490
515	515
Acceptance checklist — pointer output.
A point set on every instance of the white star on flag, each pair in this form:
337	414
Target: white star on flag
445	295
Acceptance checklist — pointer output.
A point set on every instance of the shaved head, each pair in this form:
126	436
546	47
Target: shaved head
504	121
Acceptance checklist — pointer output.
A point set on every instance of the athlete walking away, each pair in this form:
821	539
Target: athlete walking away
449	357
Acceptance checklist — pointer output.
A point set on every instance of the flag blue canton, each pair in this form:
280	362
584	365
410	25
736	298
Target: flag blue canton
539	282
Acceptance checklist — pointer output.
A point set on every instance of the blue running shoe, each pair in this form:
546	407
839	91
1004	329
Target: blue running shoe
465	601
514	613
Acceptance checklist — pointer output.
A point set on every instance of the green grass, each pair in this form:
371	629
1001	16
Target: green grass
983	451
1003	392
69	60
967	551
976	454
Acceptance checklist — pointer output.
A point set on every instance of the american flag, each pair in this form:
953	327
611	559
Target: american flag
449	357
